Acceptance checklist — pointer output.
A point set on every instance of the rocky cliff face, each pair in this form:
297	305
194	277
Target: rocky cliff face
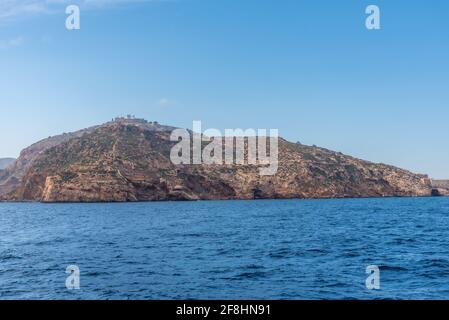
11	176
130	161
440	187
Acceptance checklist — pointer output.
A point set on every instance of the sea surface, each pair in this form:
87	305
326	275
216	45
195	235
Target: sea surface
265	249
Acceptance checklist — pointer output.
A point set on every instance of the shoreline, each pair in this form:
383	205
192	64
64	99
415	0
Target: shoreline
209	200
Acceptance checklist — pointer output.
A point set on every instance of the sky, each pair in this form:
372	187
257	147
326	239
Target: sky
309	68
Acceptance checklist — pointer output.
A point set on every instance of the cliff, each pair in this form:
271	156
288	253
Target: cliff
11	176
130	161
440	187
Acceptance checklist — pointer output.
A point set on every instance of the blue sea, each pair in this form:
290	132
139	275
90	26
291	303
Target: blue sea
265	249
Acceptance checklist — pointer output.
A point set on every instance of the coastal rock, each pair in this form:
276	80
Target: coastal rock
440	187
129	160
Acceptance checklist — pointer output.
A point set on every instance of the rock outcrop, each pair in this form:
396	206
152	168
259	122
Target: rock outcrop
129	160
440	187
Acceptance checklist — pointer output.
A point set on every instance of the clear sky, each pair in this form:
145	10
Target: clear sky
308	68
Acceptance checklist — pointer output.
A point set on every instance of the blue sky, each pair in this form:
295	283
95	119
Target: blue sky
309	68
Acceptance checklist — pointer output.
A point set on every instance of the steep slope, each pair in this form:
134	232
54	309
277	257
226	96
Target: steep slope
11	177
129	161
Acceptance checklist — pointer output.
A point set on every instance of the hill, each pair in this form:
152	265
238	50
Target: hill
129	160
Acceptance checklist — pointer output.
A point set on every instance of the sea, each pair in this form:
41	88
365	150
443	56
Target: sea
389	248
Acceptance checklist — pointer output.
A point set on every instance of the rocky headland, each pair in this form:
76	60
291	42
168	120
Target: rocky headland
129	160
